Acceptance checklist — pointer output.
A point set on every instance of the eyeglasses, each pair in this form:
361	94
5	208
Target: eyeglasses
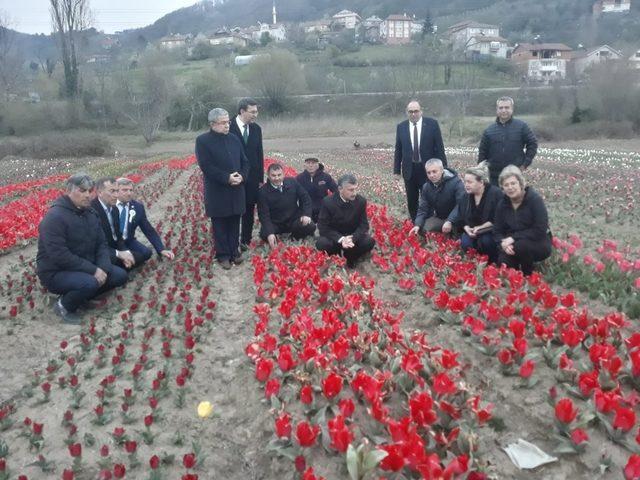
226	122
414	111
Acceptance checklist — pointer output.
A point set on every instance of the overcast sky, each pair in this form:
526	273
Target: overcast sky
32	16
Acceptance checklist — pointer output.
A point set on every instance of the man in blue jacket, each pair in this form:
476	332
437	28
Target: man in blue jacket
441	193
131	215
73	258
225	168
507	141
417	140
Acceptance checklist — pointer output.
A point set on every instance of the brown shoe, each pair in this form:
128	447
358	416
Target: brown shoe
226	264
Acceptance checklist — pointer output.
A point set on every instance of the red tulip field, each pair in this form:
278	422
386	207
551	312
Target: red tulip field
421	363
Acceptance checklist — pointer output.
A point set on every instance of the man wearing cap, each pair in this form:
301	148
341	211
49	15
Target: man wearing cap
73	258
224	167
317	183
244	126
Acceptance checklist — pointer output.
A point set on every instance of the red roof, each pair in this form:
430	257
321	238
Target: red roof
535	47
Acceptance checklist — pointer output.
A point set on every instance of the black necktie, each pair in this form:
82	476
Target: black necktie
416	147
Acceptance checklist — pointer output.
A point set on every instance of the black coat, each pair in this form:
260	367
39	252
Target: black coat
529	222
220	155
255	154
113	243
492	195
72	240
440	200
317	186
339	218
282	208
431	146
511	143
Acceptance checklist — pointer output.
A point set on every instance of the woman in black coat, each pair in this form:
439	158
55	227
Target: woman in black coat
476	211
521	226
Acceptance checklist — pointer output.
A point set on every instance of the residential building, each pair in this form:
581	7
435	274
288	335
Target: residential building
460	33
583	60
397	29
634	60
346	19
173	41
542	62
276	32
611	6
317	26
482	46
372	29
226	37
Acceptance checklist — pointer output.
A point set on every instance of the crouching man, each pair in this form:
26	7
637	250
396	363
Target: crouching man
343	223
73	258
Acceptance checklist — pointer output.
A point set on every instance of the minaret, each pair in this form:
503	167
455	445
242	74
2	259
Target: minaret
273	12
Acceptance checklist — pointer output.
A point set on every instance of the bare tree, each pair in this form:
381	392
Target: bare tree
145	101
11	59
463	81
70	17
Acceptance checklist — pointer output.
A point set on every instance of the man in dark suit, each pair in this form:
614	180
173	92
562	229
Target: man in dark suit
283	207
105	206
73	256
250	134
343	223
224	167
418	139
131	215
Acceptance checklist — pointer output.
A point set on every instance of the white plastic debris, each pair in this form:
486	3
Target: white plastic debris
525	455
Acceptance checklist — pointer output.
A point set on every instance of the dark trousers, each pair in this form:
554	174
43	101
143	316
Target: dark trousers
483	243
362	246
413	186
295	228
526	253
226	236
141	253
78	287
251	196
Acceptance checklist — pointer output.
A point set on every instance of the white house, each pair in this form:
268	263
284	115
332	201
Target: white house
634	60
594	56
277	32
611	6
397	29
481	45
346	19
173	41
460	33
542	62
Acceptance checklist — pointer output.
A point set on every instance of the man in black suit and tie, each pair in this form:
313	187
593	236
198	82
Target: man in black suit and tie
244	126
418	139
105	206
131	215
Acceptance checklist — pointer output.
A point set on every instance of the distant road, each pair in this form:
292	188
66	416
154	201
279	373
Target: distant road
431	92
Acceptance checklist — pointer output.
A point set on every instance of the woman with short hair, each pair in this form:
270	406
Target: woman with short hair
521	226
477	211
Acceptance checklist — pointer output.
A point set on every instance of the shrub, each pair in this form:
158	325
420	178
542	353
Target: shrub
54	145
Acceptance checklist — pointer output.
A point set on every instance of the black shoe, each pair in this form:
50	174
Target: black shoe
226	264
244	247
237	260
69	318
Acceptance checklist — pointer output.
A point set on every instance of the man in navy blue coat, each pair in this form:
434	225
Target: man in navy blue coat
131	215
418	139
244	126
224	167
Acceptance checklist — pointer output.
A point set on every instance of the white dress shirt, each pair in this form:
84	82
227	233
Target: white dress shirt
241	125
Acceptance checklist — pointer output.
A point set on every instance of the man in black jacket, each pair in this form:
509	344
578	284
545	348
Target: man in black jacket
343	223
244	126
224	167
317	183
104	206
441	193
417	140
507	141
283	207
73	258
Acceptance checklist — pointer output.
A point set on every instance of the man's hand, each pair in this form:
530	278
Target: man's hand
414	230
100	276
127	258
471	231
446	227
273	241
347	242
305	220
235	179
507	246
168	254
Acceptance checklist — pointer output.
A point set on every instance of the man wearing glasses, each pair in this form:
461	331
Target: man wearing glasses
418	139
224	167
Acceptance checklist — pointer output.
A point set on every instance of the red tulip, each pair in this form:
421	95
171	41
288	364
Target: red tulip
119	470
632	469
264	367
189	460
68	474
306	394
306	434
625	419
283	426
565	411
154	462
332	385
579	436
527	368
75	450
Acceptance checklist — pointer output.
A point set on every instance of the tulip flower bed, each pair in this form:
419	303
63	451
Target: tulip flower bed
14	189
